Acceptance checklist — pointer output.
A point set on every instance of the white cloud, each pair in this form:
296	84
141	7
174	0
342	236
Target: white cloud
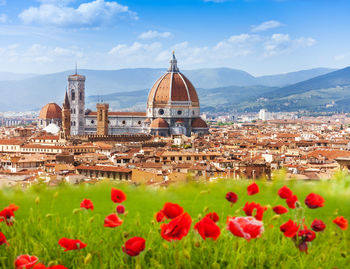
39	54
91	14
341	57
282	43
265	26
3	18
154	34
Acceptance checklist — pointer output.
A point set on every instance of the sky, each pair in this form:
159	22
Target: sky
261	37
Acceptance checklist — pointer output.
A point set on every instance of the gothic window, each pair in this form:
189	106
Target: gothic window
139	122
179	112
161	111
124	122
73	95
80	96
92	122
100	116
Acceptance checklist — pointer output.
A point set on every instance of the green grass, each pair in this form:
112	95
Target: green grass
39	226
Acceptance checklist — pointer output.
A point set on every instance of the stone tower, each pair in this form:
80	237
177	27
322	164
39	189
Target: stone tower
102	119
76	94
66	119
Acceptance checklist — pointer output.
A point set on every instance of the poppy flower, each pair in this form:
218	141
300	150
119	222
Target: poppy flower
13	207
303	247
112	221
118	196
207	228
87	204
213	215
306	235
3	239
285	192
253	189
177	228
134	246
291	201
25	261
279	209
7	215
231	197
250	207
42	266
246	227
314	200
341	222
290	228
71	244
318	225
171	210
160	216
120	209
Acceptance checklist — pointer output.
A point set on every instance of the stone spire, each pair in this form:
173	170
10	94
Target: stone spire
173	64
66	101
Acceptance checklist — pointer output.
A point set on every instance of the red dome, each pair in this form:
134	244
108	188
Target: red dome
50	111
159	123
173	87
199	123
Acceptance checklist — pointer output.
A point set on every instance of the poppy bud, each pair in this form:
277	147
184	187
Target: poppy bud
125	234
55	195
206	209
37	200
197	244
187	255
49	215
165	246
76	211
91	220
87	259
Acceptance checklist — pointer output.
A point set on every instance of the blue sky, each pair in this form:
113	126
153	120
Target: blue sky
258	36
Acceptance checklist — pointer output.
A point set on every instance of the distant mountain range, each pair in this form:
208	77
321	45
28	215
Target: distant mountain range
218	88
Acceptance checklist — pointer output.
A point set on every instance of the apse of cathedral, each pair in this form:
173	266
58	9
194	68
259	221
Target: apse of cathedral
172	109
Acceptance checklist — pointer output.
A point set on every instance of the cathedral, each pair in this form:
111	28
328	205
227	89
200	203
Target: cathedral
172	108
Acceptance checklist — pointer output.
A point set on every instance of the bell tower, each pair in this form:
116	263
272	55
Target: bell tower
76	96
102	119
66	117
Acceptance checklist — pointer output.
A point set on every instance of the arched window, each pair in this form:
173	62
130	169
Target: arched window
73	95
80	96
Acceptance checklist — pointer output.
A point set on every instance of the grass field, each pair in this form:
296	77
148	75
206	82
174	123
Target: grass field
40	224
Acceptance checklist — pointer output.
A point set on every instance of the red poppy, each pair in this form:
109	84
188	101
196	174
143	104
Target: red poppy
306	235
120	209
318	225
207	228
213	215
249	209
134	246
290	228
285	192
231	197
279	209
314	200
13	207
25	261
71	244
7	215
253	189
117	196
42	266
177	228
291	201
3	239
303	247
246	227
113	221
341	222
160	216
87	204
171	210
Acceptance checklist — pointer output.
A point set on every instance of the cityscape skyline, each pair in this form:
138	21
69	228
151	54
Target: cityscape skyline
260	37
